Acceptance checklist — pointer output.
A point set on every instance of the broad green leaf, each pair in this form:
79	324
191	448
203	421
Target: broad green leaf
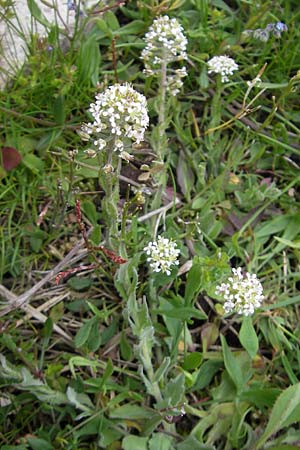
34	163
232	366
206	373
134	27
285	412
192	361
83	333
174	391
38	444
260	397
248	337
160	441
112	21
134	443
191	443
193	284
95	337
79	284
90	211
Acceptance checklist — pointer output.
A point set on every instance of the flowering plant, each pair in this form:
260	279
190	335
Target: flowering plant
120	112
243	293
222	65
162	254
165	44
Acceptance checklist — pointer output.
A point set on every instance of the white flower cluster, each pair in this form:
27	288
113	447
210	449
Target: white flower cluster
165	42
162	254
223	65
120	111
242	293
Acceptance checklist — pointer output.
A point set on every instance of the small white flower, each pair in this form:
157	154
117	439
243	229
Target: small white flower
162	254
165	42
223	65
243	293
120	111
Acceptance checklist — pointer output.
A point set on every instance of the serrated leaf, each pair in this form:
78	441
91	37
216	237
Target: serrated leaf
248	337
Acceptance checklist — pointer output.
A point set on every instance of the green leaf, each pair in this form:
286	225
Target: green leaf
248	337
125	348
107	373
206	373
132	412
34	163
288	243
79	284
162	369
285	412
160	441
59	109
90	211
173	392
82	362
47	330
83	333
134	27
193	284
37	13
134	443
112	21
182	313
231	365
95	337
89	61
38	444
260	397
192	361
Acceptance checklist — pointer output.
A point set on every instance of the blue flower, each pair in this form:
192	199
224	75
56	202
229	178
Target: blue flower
280	26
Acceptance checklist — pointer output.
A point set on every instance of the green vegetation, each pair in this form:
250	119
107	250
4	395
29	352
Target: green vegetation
101	347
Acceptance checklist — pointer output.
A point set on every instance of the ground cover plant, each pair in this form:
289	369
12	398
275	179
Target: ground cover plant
150	228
